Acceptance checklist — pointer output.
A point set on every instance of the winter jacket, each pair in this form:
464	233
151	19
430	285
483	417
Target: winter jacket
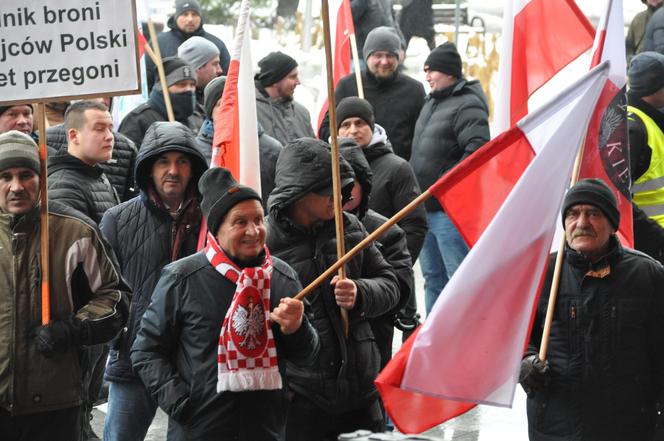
175	354
453	123
394	187
396	102
368	15
648	234
119	169
635	40
142	233
136	123
84	282
416	19
284	120
606	349
654	39
341	378
392	245
80	186
169	42
268	149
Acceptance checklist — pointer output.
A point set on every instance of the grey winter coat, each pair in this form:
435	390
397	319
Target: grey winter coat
283	120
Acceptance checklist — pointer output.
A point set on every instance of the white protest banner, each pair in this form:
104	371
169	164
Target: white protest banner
67	48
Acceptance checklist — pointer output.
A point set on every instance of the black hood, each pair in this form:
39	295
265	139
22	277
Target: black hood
161	137
304	165
352	153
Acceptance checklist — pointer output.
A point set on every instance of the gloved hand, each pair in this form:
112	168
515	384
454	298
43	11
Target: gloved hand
58	336
534	375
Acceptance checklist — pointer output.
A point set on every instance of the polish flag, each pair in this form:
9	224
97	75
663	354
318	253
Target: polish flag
606	154
469	349
540	37
341	25
235	142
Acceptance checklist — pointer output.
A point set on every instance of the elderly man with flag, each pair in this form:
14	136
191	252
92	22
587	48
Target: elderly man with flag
225	383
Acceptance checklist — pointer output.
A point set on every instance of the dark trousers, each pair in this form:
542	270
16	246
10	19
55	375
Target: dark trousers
307	422
57	425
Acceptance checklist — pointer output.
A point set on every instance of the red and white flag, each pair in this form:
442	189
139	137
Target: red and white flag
469	349
540	37
341	27
606	154
235	142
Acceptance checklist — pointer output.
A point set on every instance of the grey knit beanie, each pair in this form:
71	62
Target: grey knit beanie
382	38
197	51
646	73
18	150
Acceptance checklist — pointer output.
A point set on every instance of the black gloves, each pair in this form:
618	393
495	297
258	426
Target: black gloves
59	335
534	375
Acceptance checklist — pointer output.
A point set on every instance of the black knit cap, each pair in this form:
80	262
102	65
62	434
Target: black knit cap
221	192
274	66
596	193
353	106
181	6
3	109
212	94
175	70
446	59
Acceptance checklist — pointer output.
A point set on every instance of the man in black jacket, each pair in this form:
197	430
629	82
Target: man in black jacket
394	179
225	382
604	370
453	123
395	97
336	394
158	227
186	22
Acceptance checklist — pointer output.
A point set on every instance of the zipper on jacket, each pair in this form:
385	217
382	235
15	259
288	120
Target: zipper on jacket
12	341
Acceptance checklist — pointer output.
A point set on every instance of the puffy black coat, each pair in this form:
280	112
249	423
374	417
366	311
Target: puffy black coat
396	102
392	245
269	149
342	377
394	187
606	350
138	121
141	233
453	123
119	169
169	42
175	354
80	186
654	39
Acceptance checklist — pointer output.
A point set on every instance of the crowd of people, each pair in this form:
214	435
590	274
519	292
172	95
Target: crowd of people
174	284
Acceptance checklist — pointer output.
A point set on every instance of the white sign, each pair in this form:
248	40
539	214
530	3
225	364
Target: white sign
67	48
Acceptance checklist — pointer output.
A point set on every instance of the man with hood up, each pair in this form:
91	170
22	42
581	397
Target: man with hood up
148	232
186	22
453	123
336	394
181	81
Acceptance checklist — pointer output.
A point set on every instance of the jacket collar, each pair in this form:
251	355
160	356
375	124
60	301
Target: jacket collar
581	262
649	110
63	160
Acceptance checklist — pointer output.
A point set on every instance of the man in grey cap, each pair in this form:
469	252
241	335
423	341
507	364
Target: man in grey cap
645	98
604	371
278	113
40	365
387	89
203	56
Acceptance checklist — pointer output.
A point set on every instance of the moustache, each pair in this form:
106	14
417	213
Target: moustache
583	232
172	178
17	195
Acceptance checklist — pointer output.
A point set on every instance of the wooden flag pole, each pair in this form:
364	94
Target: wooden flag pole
155	54
553	293
356	64
336	175
43	216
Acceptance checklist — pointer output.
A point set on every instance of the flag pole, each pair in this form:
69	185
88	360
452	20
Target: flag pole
555	283
43	216
356	64
155	54
336	175
405	211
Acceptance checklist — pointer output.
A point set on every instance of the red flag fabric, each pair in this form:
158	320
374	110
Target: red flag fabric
469	349
606	153
341	22
540	37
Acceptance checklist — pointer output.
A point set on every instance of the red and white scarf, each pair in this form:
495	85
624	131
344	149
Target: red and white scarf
247	357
